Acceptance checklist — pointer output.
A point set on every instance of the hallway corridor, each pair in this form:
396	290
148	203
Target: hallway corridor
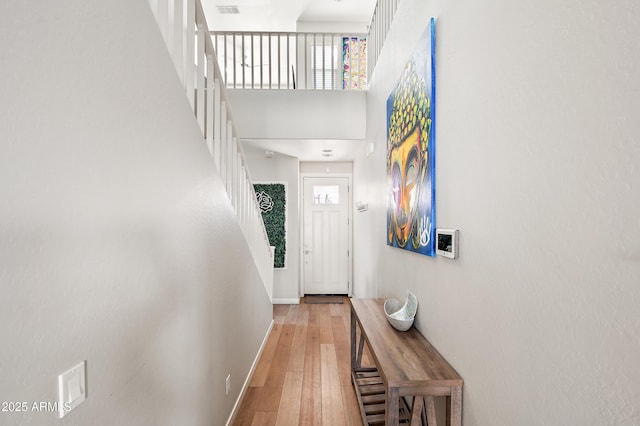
303	376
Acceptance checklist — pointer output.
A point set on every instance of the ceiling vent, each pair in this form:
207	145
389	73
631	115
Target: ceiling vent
228	10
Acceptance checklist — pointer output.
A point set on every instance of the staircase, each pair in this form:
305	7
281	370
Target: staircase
185	31
186	34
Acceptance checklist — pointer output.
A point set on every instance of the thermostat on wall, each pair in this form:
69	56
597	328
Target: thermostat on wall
447	242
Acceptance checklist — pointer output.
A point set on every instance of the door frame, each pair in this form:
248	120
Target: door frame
328	175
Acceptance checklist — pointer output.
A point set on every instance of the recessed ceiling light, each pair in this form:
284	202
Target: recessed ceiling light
228	10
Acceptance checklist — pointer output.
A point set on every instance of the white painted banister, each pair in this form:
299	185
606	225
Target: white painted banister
186	34
378	29
316	61
287	60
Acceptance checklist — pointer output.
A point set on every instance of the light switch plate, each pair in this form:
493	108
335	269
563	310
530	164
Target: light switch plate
72	388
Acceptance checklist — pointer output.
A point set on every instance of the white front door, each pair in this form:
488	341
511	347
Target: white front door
326	235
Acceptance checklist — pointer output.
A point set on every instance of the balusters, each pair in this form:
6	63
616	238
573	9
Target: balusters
291	60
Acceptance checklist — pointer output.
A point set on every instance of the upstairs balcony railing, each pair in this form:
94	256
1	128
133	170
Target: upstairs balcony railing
312	61
316	61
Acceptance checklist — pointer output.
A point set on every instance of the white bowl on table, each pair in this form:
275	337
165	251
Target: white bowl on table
401	315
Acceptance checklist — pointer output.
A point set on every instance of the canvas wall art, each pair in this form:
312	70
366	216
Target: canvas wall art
272	199
354	60
411	152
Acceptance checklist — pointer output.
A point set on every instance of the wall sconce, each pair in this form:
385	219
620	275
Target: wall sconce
361	207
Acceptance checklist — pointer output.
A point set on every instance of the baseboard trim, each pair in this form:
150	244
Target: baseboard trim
243	391
291	301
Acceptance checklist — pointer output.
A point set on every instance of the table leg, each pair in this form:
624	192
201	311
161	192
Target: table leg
393	407
353	342
454	406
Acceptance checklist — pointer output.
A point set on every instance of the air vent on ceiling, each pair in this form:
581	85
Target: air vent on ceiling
228	10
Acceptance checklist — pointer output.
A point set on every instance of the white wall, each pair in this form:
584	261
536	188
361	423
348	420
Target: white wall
282	168
333	27
117	244
537	165
299	114
339	167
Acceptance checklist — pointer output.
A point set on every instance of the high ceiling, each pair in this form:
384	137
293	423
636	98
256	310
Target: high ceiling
289	16
283	15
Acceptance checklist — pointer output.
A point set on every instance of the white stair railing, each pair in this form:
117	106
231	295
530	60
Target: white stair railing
285	60
186	34
378	29
316	61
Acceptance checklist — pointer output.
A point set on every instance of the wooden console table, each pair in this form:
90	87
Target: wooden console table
406	365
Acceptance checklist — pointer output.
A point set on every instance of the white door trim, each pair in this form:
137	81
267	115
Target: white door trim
304	175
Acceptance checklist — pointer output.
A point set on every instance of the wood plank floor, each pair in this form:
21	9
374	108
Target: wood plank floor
303	375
